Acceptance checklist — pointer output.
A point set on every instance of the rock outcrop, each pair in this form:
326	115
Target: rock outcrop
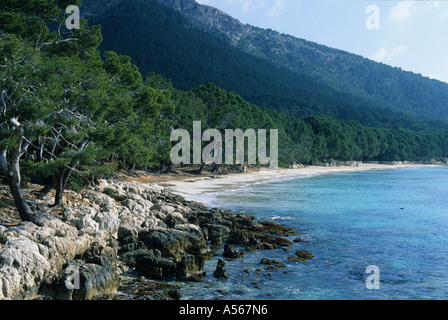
118	228
301	255
220	273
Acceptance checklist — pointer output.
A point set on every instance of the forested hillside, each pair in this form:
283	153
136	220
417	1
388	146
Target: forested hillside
343	71
310	79
304	140
70	113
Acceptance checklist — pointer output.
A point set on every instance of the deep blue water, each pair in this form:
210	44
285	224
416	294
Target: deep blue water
396	220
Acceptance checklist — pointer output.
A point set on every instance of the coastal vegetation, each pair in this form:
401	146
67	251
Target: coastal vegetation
268	69
71	113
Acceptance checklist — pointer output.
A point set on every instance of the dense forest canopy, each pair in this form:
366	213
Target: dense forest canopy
70	113
315	80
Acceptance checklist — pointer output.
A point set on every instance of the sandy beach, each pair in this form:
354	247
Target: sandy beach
195	186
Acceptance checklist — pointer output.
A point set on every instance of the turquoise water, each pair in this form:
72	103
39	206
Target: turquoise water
396	220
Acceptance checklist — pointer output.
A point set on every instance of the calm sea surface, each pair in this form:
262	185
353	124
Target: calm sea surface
396	220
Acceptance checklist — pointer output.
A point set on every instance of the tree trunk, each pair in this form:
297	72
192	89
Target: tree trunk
12	173
201	169
170	167
47	188
41	150
62	183
60	188
4	164
22	206
63	178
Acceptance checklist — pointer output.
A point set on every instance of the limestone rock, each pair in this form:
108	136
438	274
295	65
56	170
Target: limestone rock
118	226
241	237
232	253
151	264
220	272
273	264
190	268
170	241
33	255
86	281
302	255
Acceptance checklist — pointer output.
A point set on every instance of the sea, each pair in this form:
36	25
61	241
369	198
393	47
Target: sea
374	235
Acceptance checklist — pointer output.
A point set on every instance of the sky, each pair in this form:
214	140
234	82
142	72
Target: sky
409	34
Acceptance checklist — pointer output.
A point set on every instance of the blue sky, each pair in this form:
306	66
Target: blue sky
412	35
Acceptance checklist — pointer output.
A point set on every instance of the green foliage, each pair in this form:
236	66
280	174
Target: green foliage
76	109
38	172
324	81
95	114
311	139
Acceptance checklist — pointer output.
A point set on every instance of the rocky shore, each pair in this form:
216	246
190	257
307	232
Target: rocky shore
120	240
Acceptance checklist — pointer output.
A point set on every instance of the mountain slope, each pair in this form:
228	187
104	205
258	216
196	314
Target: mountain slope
408	92
161	39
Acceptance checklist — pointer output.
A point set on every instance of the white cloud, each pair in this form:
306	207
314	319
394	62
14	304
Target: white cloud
437	8
245	5
443	15
380	55
403	11
277	9
387	55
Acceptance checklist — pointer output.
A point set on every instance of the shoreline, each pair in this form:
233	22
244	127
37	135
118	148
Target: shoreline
129	241
118	229
197	186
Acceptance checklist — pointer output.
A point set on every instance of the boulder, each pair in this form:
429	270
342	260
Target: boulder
151	264
241	237
157	233
190	268
130	243
99	198
303	255
144	289
174	218
273	263
216	232
275	241
133	206
232	253
107	221
87	281
271	227
163	208
174	241
32	255
220	272
125	231
85	224
101	252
